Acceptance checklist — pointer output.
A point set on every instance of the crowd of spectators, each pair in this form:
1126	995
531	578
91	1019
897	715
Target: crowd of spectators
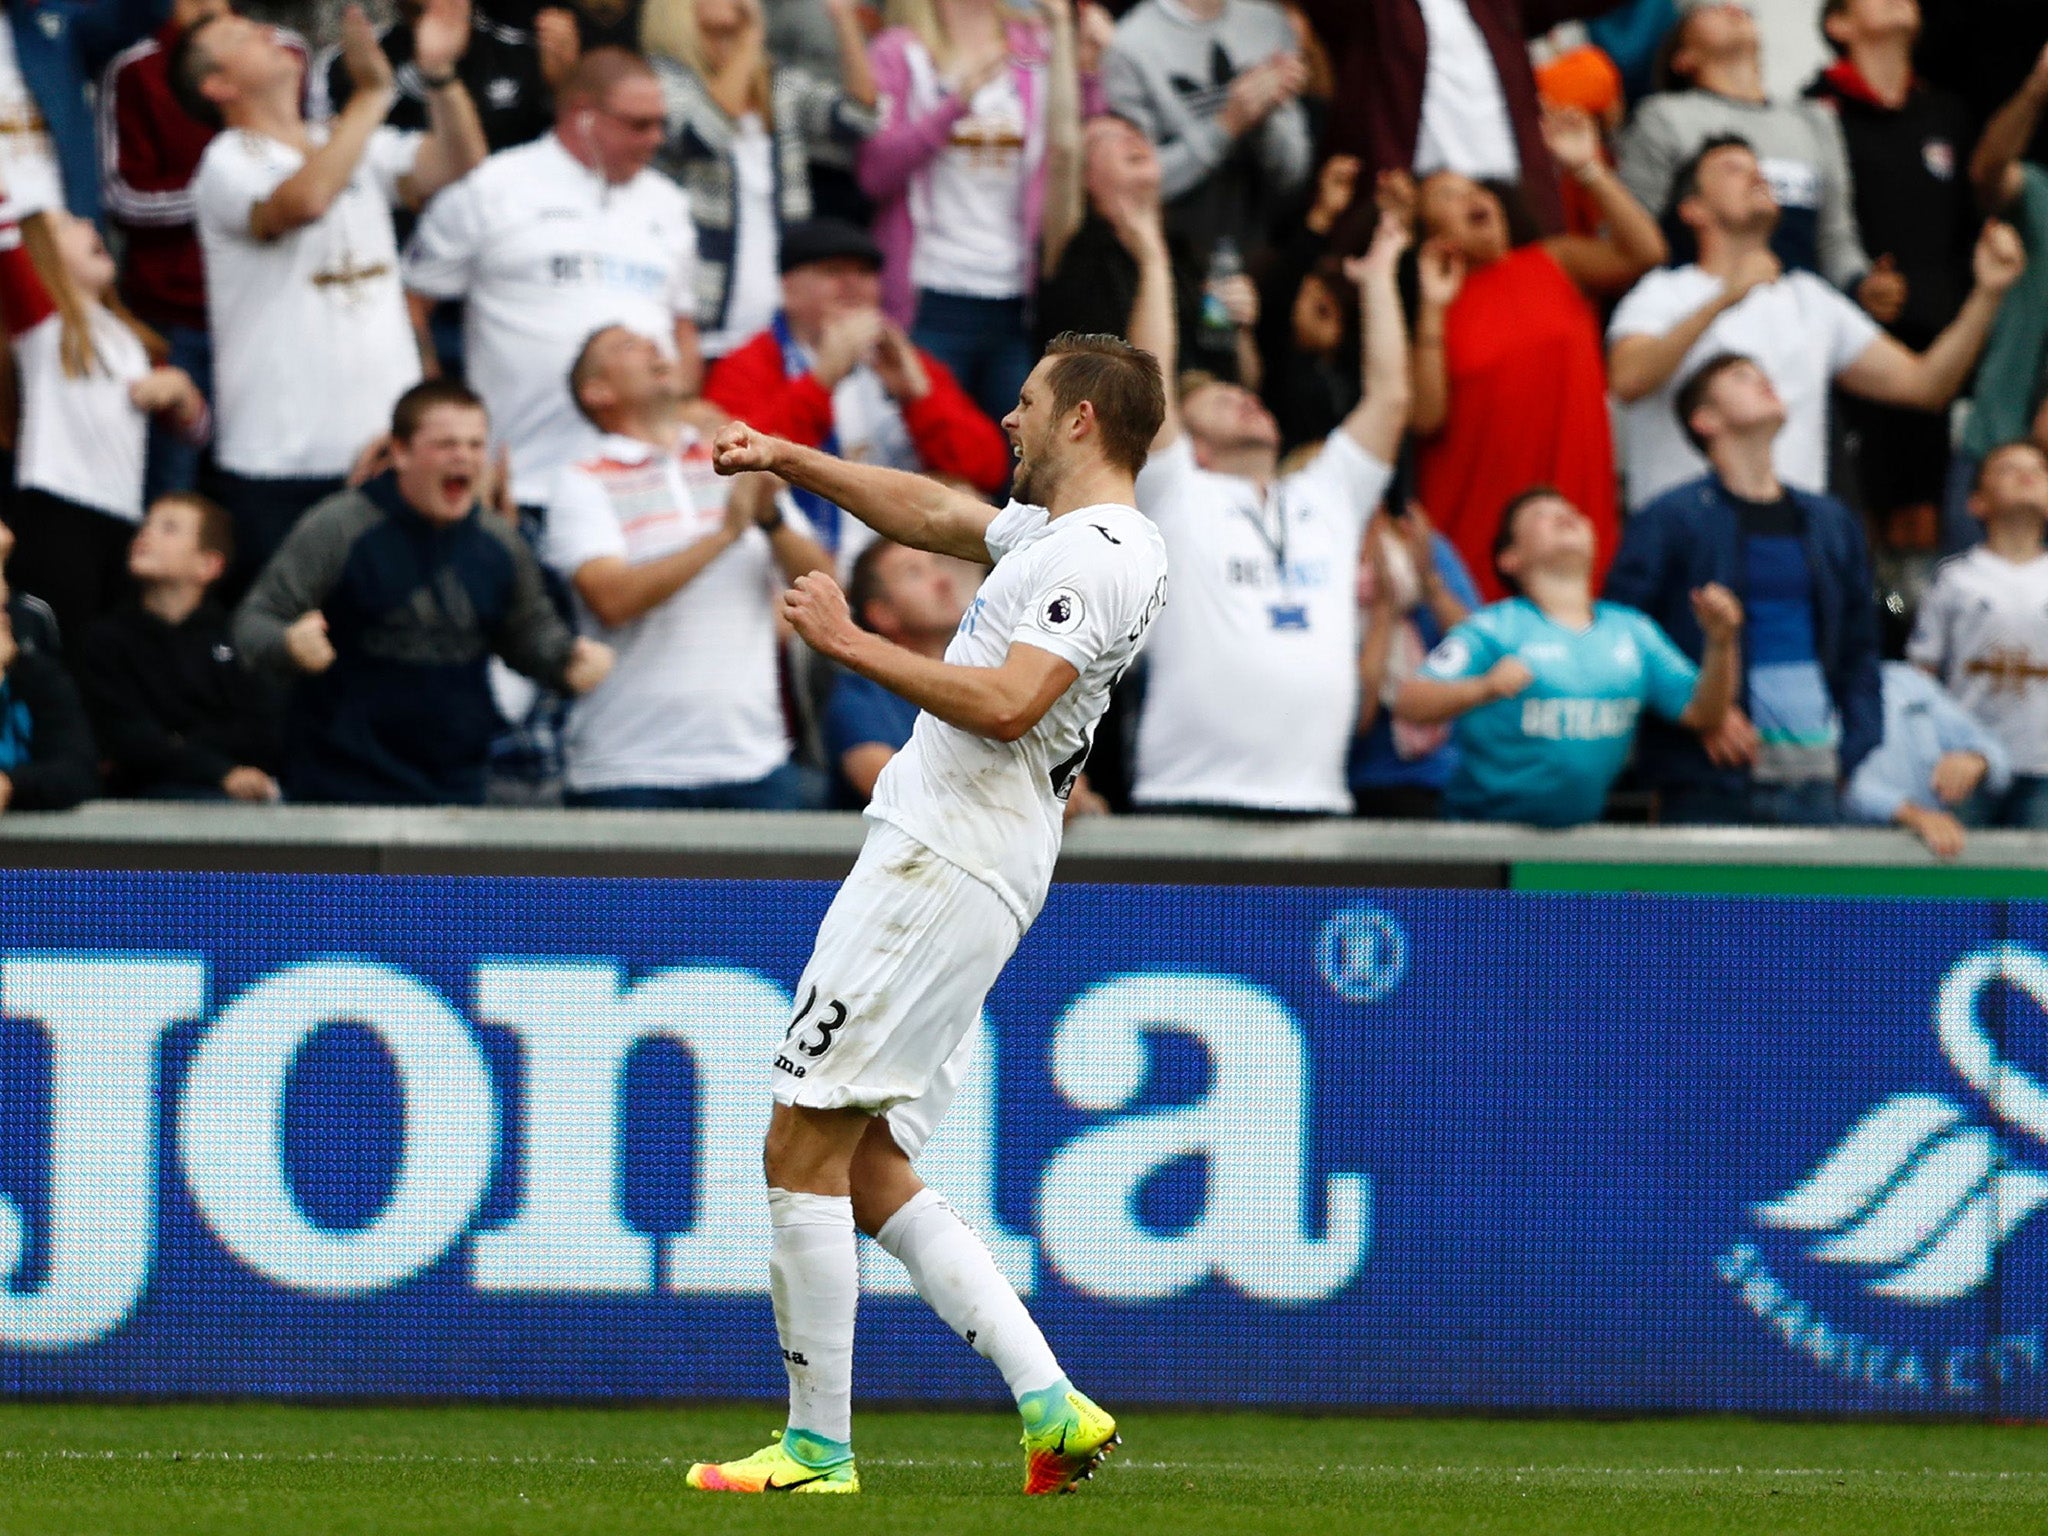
1530	366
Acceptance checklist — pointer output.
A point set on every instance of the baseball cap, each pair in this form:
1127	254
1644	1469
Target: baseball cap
816	240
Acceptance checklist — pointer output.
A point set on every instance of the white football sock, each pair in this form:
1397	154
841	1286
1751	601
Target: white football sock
814	1274
954	1271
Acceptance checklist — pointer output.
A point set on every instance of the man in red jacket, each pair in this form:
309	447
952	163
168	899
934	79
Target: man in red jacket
149	148
833	372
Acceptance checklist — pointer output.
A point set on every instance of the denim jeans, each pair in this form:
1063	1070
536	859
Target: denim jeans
173	463
788	788
982	342
1960	529
1756	805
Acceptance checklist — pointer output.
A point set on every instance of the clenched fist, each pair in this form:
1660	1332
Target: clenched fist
817	611
590	663
738	448
307	644
1508	678
1719	612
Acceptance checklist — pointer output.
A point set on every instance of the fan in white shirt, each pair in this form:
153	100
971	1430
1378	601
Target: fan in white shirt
552	241
1804	334
311	341
91	378
1252	687
1983	626
680	579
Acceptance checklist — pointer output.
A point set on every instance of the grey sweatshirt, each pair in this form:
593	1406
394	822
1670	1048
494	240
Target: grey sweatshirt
1171	76
1804	158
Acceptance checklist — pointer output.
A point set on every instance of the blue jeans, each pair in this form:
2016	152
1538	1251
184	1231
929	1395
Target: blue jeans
2024	805
1759	805
982	342
1960	529
173	463
788	788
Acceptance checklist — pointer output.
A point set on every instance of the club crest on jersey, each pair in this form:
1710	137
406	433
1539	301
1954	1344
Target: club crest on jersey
1061	613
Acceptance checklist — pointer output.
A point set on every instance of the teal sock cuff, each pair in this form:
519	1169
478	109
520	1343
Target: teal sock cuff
815	1450
1037	1408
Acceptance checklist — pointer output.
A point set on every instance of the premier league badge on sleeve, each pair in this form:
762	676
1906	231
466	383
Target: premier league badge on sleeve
1060	614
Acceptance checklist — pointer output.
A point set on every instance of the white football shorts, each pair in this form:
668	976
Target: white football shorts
886	1007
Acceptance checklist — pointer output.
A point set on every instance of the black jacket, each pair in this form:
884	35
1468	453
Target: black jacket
1911	170
35	626
500	68
414	611
173	704
46	746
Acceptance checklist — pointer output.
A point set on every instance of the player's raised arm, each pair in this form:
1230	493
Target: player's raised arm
1002	703
910	509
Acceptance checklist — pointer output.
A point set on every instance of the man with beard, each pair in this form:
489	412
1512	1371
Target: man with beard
966	828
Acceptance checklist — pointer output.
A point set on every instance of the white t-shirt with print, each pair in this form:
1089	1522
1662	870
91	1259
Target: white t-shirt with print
1086	587
1799	330
82	438
311	343
1251	686
546	251
1983	629
967	205
694	697
28	160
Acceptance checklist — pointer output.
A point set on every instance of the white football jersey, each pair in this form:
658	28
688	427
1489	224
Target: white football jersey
1983	627
1085	587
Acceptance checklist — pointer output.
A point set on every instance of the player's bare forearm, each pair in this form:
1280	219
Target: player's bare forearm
1002	703
907	508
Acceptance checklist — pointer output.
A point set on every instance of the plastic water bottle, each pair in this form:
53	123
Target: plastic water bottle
1224	263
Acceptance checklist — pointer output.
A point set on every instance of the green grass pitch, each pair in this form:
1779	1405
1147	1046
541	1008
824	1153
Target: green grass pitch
70	1469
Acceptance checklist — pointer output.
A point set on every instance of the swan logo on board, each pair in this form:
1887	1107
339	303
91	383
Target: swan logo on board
1915	1201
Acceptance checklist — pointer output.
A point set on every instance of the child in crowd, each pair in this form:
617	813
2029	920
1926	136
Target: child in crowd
46	761
1983	629
91	377
1412	590
1934	758
177	714
1546	687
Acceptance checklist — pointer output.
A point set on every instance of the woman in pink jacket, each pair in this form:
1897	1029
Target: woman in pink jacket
977	103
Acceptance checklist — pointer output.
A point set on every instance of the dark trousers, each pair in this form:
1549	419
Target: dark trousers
73	557
264	511
174	459
1757	805
983	343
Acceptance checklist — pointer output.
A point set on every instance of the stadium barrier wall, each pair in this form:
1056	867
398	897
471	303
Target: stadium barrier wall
415	1136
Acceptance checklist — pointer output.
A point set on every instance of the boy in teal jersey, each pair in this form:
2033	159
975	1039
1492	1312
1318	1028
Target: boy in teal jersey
1547	686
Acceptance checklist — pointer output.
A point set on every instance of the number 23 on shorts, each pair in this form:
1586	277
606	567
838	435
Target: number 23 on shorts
819	1041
